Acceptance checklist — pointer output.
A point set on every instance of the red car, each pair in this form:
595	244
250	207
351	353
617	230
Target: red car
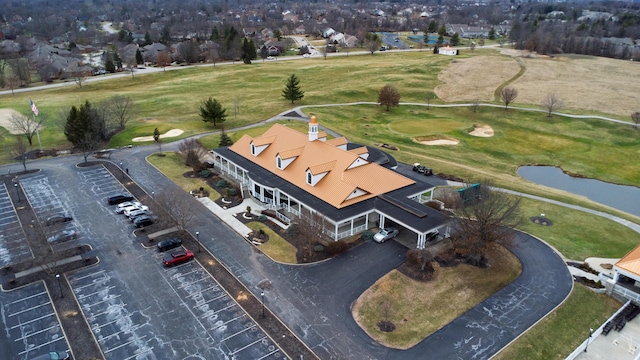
177	257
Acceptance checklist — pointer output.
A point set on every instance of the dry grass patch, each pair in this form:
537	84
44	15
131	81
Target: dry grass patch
584	83
475	78
419	309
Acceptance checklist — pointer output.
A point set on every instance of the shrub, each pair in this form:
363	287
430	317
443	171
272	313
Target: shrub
205	173
337	247
228	193
262	218
318	248
414	257
232	191
367	235
248	209
221	183
293	229
261	232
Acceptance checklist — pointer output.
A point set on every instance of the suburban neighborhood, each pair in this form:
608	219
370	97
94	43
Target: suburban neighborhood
291	180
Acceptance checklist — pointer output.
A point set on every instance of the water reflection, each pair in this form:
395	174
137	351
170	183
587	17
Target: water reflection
622	197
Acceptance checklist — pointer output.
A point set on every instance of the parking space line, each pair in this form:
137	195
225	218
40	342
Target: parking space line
88	275
214	299
32	320
137	355
131	329
246	346
201	291
125	344
96	292
184	285
231	320
177	275
224	308
35	333
41	345
27	298
100	302
29	309
269	354
238	333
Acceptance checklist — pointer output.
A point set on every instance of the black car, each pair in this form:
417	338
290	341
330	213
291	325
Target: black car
120	198
57	219
169	244
142	221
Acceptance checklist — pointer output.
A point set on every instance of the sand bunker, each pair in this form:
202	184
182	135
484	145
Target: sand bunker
440	142
482	131
170	133
5	115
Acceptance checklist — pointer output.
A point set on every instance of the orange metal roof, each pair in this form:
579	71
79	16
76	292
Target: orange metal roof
286	154
263	140
360	150
338	184
337	141
631	262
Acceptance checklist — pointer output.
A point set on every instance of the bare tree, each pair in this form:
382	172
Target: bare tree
312	227
192	152
508	95
475	104
636	118
131	66
80	78
389	96
20	150
552	103
121	108
483	219
178	206
372	46
163	60
26	125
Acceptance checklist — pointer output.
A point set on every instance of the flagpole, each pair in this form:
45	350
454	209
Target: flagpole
37	132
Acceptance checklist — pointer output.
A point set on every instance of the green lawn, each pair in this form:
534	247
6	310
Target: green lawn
563	330
276	248
173	167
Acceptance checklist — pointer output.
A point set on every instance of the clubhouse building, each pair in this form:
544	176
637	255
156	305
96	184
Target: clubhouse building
297	175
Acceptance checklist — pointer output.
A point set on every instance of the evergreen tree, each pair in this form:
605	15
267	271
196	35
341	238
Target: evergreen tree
442	30
215	35
433	26
117	61
165	35
292	89
84	128
139	59
225	140
455	39
147	38
110	66
212	111
492	34
246	51
129	38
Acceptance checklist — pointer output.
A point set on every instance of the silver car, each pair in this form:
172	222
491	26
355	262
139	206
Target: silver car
385	234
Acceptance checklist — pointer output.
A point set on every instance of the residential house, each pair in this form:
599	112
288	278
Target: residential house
300	30
445	50
300	175
468	31
151	51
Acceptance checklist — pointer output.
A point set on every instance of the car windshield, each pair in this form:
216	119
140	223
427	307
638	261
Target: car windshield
383	232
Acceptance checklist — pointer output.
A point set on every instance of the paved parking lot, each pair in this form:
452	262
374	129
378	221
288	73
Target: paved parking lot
136	308
13	247
30	324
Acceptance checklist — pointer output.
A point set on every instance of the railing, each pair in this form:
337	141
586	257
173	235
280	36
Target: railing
626	293
283	218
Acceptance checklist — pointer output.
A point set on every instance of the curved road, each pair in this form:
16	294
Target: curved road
315	300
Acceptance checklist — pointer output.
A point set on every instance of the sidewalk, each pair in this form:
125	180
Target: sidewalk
229	216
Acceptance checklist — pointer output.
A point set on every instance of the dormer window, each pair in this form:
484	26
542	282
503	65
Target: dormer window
253	149
309	177
279	162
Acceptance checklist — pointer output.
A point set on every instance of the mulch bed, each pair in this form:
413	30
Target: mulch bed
541	221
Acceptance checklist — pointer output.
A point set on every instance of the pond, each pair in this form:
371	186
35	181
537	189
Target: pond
621	197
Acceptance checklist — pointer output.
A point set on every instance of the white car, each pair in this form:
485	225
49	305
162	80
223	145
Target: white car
306	55
270	58
385	234
135	213
128	211
120	208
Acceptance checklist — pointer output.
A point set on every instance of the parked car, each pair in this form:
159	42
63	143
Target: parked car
385	234
53	355
177	257
119	198
57	219
270	58
131	209
63	235
137	213
306	55
122	206
168	244
422	169
142	221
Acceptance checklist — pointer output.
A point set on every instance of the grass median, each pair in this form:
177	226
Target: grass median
173	167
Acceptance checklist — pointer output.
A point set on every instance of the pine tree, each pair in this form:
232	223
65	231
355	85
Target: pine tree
225	140
212	111
147	38
292	89
139	59
455	39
